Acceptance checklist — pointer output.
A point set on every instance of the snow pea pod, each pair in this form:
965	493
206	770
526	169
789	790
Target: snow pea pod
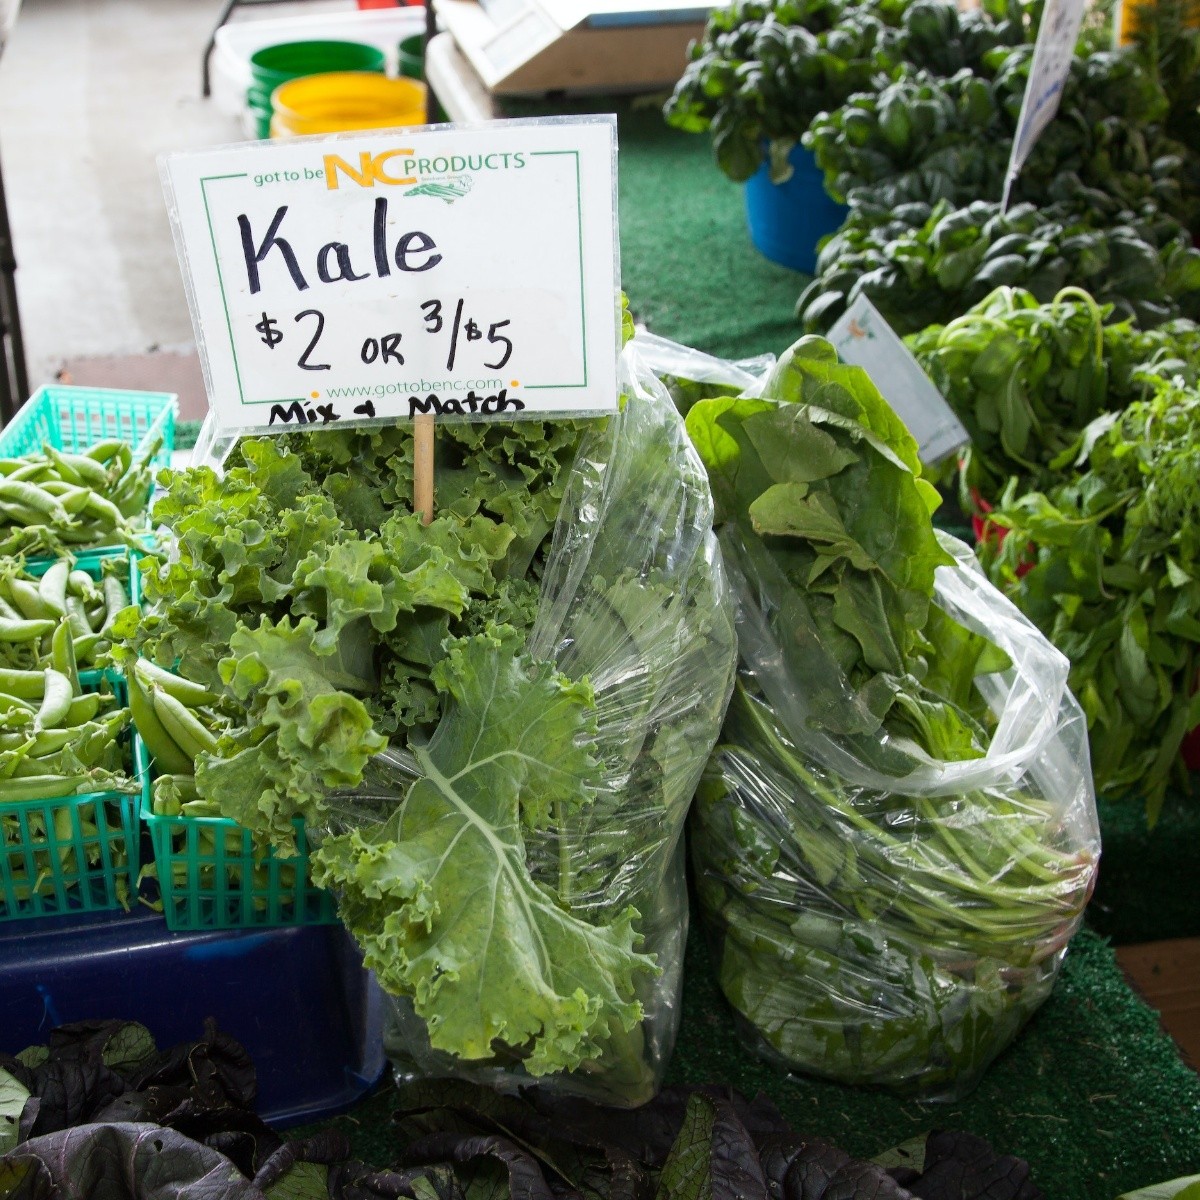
33	497
27	685
24	631
56	702
52	587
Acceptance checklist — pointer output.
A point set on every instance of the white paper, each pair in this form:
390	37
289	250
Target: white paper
453	270
863	338
1052	54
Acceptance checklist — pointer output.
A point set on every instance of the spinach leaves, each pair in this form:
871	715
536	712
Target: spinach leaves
765	68
922	265
1025	378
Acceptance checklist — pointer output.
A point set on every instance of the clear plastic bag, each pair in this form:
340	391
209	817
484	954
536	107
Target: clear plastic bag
894	930
634	601
690	375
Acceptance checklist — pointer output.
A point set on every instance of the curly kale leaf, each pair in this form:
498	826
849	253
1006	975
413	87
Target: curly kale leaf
303	732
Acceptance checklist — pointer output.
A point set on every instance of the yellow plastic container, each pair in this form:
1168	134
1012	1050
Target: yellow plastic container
343	100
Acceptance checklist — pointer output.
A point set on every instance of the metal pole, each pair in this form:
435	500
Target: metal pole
14	384
431	103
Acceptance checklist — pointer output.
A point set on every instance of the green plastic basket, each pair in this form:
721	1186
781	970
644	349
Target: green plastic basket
220	883
72	853
221	886
74	418
80	852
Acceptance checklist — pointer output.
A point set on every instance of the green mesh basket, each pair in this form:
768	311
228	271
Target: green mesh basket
209	877
77	854
74	418
69	854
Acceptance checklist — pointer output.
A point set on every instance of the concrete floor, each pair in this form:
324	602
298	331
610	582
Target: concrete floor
91	91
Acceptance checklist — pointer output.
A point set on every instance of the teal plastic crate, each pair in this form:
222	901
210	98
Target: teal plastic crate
74	418
210	878
70	854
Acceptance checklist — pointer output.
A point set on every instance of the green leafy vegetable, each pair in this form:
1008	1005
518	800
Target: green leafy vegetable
318	610
921	138
550	660
499	877
1025	378
924	266
765	68
1106	562
440	896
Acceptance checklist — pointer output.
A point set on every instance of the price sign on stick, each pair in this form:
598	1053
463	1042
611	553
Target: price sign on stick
1052	54
466	271
863	338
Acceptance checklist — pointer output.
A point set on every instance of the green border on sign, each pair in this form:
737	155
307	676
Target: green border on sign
205	180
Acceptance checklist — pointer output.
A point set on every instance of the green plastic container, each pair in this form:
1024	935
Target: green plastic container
74	418
69	854
412	56
273	65
221	885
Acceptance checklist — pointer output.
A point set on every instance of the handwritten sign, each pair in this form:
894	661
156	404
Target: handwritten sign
862	337
1052	55
466	271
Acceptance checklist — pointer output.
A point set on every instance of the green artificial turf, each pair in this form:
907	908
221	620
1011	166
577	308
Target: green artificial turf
1146	890
1093	1094
186	433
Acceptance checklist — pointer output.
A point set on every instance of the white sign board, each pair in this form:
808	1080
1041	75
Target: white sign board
863	338
377	276
1052	55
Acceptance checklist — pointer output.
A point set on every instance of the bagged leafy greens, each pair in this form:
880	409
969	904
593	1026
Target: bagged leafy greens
491	726
690	375
517	881
896	836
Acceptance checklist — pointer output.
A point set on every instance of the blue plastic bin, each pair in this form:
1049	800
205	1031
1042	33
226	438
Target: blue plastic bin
787	220
297	998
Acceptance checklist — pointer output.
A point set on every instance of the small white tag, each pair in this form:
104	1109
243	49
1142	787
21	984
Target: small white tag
1052	54
864	339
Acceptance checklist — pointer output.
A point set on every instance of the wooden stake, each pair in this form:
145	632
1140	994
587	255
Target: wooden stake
423	466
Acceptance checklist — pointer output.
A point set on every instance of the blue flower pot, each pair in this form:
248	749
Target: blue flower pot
787	220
